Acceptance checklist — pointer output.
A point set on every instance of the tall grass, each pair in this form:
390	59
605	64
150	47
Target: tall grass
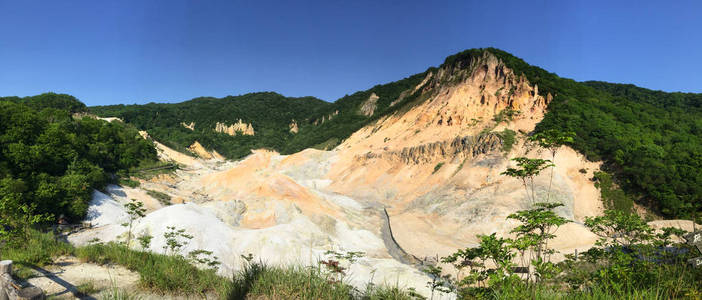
174	275
297	282
39	249
157	272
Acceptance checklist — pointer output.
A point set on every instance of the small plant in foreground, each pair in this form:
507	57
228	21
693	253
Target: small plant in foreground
204	258
86	289
527	169
145	240
438	283
176	239
334	266
135	210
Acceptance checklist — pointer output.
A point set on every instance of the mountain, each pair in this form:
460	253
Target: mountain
395	176
419	178
649	140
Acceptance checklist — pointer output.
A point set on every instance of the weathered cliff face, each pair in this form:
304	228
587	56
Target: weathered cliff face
293	127
457	149
460	100
368	107
200	151
437	166
326	118
237	128
190	125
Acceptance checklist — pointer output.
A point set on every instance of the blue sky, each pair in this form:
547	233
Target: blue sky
106	52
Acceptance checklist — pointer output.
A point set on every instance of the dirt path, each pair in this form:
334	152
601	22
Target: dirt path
68	278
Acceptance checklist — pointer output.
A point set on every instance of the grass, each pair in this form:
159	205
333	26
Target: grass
128	182
157	272
327	145
297	282
86	288
174	275
508	139
116	293
506	115
37	249
148	170
164	198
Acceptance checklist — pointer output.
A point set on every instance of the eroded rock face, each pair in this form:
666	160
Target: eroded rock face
437	166
200	151
326	118
458	148
190	125
368	107
237	128
293	126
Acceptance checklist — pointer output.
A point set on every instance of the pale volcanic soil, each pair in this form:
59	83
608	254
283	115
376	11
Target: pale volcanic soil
434	167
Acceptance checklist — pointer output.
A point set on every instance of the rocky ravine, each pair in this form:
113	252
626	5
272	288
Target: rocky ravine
430	175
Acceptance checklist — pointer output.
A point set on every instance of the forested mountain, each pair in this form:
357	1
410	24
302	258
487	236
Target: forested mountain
651	141
51	160
319	123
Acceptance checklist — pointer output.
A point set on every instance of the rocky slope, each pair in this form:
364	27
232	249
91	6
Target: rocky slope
417	183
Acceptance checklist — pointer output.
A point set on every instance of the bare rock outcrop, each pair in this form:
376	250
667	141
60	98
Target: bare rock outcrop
406	93
190	125
326	118
458	148
293	127
200	151
237	128
368	107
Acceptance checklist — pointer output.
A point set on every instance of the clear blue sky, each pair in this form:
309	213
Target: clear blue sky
106	52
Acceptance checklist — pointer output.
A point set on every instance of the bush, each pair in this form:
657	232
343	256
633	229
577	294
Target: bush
508	139
437	167
164	198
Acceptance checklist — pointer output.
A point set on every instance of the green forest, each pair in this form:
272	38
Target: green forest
51	159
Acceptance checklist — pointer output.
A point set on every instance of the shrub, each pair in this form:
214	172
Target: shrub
437	167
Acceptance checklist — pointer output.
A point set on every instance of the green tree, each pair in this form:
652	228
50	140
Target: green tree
552	140
135	210
527	169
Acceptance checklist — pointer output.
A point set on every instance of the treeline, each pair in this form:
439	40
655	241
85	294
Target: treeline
50	161
50	100
650	140
321	124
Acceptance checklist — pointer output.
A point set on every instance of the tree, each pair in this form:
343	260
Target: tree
528	168
16	216
538	226
552	139
135	210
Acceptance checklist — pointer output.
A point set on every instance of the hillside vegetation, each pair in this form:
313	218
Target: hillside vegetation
321	124
50	162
